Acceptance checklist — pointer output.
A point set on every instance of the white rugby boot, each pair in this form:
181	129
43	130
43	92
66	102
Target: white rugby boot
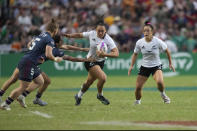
5	106
21	100
166	99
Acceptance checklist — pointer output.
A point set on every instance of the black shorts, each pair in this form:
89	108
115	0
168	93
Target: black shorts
145	71
88	65
28	70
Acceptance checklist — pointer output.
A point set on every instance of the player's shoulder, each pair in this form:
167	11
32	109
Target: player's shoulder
157	39
140	41
108	37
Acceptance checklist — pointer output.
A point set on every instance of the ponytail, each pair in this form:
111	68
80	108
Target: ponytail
52	26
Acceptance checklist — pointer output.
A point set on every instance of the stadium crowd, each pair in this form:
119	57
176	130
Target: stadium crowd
175	21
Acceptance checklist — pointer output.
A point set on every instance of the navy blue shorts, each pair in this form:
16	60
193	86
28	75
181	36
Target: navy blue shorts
28	70
89	65
145	71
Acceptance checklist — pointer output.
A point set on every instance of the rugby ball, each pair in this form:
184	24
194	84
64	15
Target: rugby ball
102	47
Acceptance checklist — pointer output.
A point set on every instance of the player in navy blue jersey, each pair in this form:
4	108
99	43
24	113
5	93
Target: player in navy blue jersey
32	86
27	66
59	53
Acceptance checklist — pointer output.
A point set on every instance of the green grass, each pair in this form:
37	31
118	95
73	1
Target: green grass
65	115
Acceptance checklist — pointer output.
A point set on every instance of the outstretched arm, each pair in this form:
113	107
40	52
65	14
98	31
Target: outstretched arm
74	59
75	48
170	60
50	55
133	59
75	35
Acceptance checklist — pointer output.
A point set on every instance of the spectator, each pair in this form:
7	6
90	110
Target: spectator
124	18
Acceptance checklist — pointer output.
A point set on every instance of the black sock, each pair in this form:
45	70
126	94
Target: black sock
9	100
38	95
25	93
2	92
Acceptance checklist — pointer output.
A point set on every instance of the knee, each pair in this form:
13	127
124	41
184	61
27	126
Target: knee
47	81
40	83
103	78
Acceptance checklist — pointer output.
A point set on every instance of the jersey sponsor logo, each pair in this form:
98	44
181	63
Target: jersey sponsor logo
94	39
91	63
154	47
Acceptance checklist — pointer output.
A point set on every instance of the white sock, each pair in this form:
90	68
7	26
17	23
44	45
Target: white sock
138	101
163	93
100	94
80	94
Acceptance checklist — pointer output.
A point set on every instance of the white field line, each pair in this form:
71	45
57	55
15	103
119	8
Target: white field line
41	114
119	123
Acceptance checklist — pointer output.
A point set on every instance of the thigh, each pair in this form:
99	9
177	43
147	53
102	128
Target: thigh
141	80
97	72
39	80
91	77
158	76
24	84
15	75
45	77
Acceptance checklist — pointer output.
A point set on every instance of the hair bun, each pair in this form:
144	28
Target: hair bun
147	23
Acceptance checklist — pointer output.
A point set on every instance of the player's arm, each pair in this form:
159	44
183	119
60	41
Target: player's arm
74	59
75	48
113	53
50	55
133	59
28	45
74	35
170	60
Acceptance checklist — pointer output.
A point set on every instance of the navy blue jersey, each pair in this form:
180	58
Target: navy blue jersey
38	46
56	52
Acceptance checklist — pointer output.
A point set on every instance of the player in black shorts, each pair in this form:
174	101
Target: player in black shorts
150	47
95	72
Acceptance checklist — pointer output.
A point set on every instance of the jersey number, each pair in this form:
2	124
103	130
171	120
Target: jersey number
33	43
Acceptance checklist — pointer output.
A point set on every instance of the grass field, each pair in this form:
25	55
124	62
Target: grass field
121	114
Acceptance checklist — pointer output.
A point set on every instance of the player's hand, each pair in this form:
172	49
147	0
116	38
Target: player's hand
100	54
91	59
58	59
172	67
41	60
130	69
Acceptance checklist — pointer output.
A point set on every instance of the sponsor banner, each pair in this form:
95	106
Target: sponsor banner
185	64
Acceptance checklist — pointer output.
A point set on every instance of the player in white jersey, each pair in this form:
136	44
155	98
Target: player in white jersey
95	68
150	47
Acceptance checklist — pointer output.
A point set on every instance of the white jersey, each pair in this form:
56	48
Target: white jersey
150	51
94	41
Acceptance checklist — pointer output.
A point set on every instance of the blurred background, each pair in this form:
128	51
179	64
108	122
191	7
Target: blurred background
174	21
